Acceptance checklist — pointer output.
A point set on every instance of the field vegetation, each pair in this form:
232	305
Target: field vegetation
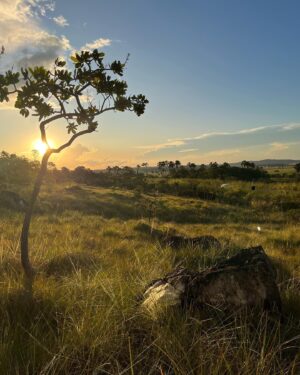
94	257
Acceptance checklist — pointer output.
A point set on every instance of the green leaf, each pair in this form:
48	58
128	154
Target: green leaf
74	59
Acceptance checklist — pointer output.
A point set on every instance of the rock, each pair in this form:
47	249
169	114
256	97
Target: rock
176	241
163	294
204	242
244	280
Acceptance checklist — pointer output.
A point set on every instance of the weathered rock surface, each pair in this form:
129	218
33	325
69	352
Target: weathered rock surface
247	279
176	241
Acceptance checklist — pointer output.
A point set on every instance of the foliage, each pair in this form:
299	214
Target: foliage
213	170
297	167
16	170
247	164
59	93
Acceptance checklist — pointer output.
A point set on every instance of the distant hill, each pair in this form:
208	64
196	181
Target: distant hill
271	162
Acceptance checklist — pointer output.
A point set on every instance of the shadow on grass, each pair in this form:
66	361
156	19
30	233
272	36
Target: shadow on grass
11	268
66	264
29	326
128	206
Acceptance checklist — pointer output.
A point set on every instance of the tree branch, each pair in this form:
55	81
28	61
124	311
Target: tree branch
71	140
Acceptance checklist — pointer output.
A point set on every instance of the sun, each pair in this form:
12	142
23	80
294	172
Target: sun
41	147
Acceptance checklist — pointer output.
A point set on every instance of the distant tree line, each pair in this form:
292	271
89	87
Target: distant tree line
21	171
248	171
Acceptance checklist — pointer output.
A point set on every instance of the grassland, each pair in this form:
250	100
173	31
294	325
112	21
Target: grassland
82	316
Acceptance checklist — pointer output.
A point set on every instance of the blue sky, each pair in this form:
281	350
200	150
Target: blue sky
222	76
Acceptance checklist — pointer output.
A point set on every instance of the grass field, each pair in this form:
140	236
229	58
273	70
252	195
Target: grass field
83	317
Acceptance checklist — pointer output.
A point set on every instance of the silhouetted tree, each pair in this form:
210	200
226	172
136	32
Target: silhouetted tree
162	165
247	164
37	88
171	165
128	171
191	166
145	165
177	164
297	167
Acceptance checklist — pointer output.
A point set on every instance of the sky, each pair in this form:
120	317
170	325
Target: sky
222	77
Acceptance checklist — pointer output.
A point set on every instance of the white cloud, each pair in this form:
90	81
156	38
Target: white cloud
23	37
291	126
99	43
277	146
188	150
61	21
286	127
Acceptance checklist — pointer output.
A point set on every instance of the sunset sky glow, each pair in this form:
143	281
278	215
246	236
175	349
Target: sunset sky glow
222	77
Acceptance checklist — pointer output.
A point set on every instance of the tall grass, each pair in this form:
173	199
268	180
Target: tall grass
83	315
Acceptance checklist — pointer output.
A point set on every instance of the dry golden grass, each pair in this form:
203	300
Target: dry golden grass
83	317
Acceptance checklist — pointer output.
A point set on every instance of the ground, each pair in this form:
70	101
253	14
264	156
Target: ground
93	261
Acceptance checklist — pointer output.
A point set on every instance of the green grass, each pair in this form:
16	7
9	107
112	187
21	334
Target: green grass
83	316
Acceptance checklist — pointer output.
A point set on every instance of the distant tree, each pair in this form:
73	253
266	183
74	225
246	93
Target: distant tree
65	173
297	167
138	168
213	165
128	171
36	90
171	165
116	169
145	165
247	164
191	166
225	165
177	164
161	165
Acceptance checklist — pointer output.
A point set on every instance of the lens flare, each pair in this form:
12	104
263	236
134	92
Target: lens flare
41	147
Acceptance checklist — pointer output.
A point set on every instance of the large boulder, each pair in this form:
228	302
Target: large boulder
247	279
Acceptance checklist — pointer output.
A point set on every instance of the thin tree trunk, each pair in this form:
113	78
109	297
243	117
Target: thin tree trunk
28	270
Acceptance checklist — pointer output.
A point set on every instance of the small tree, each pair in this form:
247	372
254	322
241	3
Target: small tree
145	165
297	167
57	94
171	165
161	166
191	166
247	164
177	164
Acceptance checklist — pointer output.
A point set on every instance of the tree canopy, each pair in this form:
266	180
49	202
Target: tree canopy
70	94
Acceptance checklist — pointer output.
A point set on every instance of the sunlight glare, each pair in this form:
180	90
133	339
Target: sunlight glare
41	147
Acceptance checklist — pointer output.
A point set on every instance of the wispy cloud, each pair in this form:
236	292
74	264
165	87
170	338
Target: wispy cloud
258	129
188	150
291	126
189	141
61	21
160	146
282	146
278	146
98	43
